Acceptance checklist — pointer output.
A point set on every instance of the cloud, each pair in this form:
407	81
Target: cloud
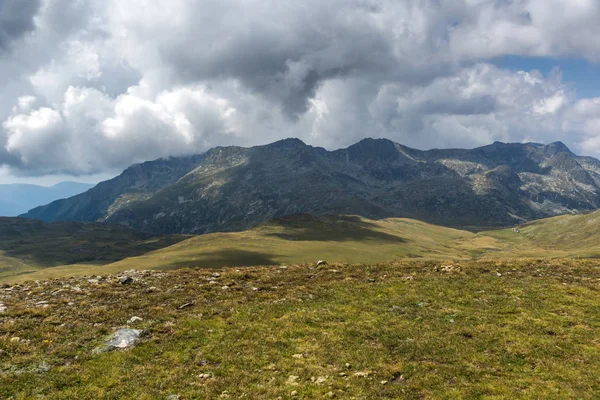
143	79
16	19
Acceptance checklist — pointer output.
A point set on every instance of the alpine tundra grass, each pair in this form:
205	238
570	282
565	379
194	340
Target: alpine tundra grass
496	329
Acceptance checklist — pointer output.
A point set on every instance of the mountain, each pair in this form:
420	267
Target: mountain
235	188
16	199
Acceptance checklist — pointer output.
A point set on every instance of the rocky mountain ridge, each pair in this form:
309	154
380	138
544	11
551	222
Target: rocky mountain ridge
235	188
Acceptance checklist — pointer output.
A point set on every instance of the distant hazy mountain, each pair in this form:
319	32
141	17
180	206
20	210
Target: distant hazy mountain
234	188
16	199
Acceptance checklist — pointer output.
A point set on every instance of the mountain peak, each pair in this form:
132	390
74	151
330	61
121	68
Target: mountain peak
373	149
558	147
286	143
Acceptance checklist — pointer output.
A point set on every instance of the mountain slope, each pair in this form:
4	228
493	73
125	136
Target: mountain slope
234	188
29	245
16	199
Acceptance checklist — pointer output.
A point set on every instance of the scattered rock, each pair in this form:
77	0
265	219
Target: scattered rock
361	374
225	287
15	339
125	280
121	339
152	289
449	268
216	275
294	393
42	304
321	380
173	397
186	305
134	319
321	262
384	382
292	380
3	308
204	376
298	356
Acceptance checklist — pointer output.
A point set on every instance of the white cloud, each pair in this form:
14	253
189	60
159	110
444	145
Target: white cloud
97	85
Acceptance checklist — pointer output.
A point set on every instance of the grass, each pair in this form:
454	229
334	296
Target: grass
488	329
27	246
57	251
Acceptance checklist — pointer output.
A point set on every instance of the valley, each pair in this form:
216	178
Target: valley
76	249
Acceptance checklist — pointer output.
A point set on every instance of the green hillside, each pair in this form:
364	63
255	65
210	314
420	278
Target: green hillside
28	245
72	249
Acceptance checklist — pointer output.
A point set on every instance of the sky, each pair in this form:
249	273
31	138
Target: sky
88	87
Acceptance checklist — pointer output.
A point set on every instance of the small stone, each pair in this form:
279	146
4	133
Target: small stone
294	393
134	319
498	274
173	397
292	380
3	308
361	374
348	365
255	289
225	287
298	356
204	376
15	339
121	339
216	275
321	262
330	394
384	382
125	280
152	289
320	380
186	305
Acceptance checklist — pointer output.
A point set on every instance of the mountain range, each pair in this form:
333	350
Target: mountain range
16	199
235	188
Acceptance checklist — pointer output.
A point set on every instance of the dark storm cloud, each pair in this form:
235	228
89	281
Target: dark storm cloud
16	19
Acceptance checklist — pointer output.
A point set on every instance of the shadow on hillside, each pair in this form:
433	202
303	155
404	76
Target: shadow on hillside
226	258
64	243
344	228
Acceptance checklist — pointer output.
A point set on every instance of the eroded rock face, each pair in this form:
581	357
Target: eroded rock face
234	188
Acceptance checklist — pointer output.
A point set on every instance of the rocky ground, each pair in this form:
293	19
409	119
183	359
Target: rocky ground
502	329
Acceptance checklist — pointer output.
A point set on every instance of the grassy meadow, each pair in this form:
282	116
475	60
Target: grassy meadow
397	330
293	240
